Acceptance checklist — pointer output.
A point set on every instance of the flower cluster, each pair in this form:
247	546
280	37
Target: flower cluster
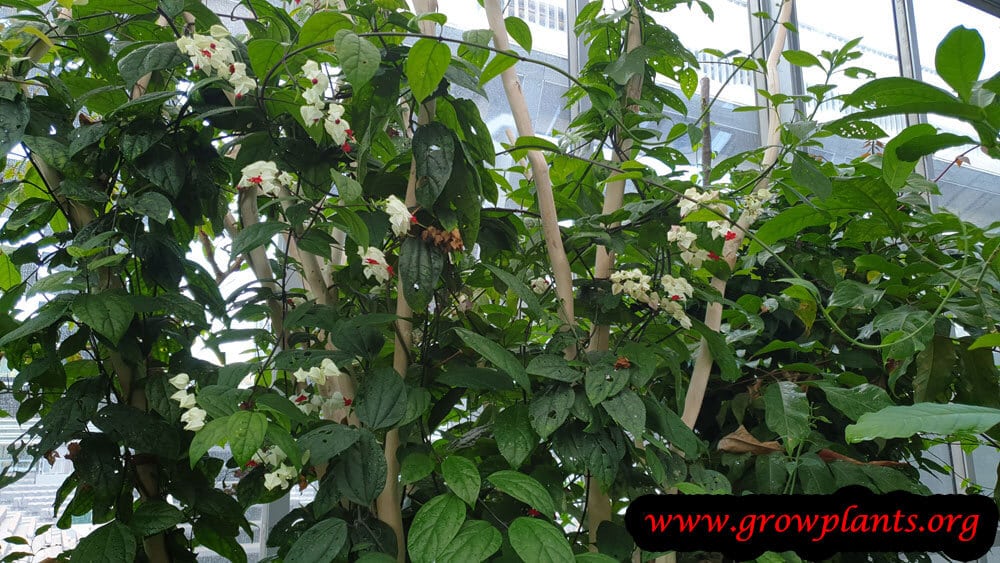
317	110
274	457
635	284
399	216
214	54
678	290
308	402
264	174
373	261
753	204
193	417
540	285
690	253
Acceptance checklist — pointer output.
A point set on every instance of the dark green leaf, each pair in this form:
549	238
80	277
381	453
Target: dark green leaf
549	410
787	413
361	471
14	117
420	267
514	435
475	542
434	527
628	411
245	431
107	313
112	542
321	27
147	59
935	372
462	477
155	516
525	489
433	153
321	543
856	401
554	367
539	541
788	223
153	204
499	356
165	169
359	59
381	399
854	295
524	293
327	442
806	174
255	235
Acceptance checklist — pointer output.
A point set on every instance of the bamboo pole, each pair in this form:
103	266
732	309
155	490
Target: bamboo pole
713	316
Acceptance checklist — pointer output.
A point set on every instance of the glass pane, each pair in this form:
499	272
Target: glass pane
828	26
969	189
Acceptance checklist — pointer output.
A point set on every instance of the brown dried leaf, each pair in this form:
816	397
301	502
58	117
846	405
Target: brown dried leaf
742	441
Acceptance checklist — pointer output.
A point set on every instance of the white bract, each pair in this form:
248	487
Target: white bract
677	289
194	418
262	174
186	400
336	125
374	264
399	216
180	381
540	285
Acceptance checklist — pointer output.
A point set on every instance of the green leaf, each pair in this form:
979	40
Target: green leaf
14	116
895	169
594	558
434	527
165	169
554	367
321	27
254	236
856	401
524	293
112	542
525	489
106	313
959	59
155	516
722	353
815	476
935	372
496	66
923	418
806	174
628	411
514	435
10	275
433	151
634	62
476	541
771	473
538	541
786	412
497	355
420	267
44	318
913	149
321	543
425	67
381	400
549	410
264	54
462	477
787	224
415	466
359	59
153	204
519	31
209	533
147	59
854	295
361	471
245	431
991	340
801	58
603	381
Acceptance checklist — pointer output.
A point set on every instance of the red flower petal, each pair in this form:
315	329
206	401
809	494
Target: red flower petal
730	235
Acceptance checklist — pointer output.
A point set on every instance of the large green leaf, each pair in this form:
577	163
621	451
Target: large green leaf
10	275
549	410
321	543
359	59
322	27
896	168
628	411
462	477
539	541
425	67
787	413
806	174
786	224
959	59
923	418
212	434
514	435
519	31
524	293
434	527
255	235
153	204
109	314
112	542
856	401
722	353
381	400
475	542
155	516
45	317
855	295
360	472
245	432
924	145
420	267
935	371
433	152
149	58
496	354
551	366
165	168
14	116
525	489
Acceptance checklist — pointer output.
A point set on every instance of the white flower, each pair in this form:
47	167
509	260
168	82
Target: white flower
654	300
316	77
690	201
286	179
719	228
329	368
300	375
180	381
311	114
194	419
399	216
540	285
316	376
273	480
287	472
219	32
678	289
272	456
306	402
313	97
336	125
676	311
262	174
694	257
242	84
186	400
682	236
374	264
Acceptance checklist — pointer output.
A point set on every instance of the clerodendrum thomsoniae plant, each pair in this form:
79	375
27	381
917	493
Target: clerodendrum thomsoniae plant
466	360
